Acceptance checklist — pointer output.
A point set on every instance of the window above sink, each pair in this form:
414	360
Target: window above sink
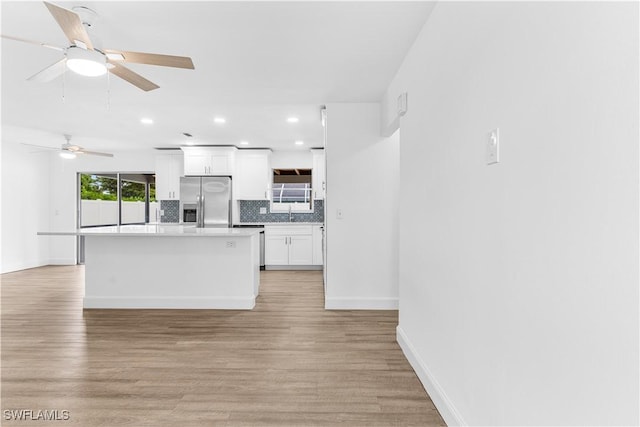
291	190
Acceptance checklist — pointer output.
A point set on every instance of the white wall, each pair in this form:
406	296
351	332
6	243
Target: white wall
25	199
519	281
362	181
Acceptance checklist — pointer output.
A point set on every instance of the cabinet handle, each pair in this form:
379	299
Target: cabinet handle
285	241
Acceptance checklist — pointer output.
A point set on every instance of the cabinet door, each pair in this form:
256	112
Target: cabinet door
317	245
197	164
168	173
276	250
221	164
252	176
318	174
300	250
163	168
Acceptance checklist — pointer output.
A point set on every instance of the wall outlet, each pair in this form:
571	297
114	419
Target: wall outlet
231	244
161	212
338	213
263	211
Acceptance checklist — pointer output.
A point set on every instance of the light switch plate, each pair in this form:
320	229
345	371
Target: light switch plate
263	211
493	147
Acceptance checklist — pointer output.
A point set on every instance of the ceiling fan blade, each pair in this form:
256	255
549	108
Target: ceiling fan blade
19	39
151	59
40	146
132	77
71	25
94	153
51	72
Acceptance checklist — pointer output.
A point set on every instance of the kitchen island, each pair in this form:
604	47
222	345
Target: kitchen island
170	267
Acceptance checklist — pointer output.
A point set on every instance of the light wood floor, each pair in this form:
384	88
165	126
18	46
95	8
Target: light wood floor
287	362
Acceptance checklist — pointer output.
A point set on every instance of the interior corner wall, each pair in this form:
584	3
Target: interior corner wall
519	281
362	182
25	206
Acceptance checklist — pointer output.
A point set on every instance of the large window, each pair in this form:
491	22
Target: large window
116	198
291	190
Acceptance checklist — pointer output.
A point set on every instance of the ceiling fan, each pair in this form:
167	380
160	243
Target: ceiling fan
69	151
82	57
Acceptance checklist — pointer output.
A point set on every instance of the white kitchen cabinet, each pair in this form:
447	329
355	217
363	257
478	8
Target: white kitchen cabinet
318	174
301	250
276	249
213	161
318	244
288	245
169	168
252	175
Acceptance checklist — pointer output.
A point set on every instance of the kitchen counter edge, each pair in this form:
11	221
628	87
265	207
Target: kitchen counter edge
155	231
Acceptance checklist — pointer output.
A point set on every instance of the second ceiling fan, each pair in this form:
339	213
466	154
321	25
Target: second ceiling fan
82	57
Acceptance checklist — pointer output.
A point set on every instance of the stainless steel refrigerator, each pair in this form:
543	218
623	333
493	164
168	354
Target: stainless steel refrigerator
205	201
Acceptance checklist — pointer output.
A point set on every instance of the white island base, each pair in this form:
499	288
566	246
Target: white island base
170	267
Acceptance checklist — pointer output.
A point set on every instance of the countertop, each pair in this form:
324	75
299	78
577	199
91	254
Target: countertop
294	223
155	230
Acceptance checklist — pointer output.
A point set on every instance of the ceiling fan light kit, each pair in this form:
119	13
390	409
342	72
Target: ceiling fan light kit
88	63
67	154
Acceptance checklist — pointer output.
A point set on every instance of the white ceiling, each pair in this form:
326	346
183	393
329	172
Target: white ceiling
256	63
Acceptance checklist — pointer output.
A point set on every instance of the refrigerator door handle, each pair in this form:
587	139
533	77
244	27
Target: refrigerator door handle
201	211
198	210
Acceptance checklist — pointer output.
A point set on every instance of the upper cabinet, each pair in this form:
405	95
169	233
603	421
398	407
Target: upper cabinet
168	172
214	161
318	174
252	175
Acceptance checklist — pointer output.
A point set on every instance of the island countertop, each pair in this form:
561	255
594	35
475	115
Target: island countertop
155	230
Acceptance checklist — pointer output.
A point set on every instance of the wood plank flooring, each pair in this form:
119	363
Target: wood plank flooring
288	362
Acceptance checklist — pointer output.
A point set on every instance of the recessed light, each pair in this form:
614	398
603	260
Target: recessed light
299	142
146	121
293	120
219	120
244	143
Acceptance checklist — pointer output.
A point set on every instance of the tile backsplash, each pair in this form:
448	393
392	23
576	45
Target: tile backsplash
171	210
250	212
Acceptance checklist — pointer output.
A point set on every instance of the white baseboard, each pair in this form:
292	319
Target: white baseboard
293	267
11	267
364	303
229	303
440	399
62	261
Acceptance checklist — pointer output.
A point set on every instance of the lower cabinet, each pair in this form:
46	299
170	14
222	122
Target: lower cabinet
290	245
